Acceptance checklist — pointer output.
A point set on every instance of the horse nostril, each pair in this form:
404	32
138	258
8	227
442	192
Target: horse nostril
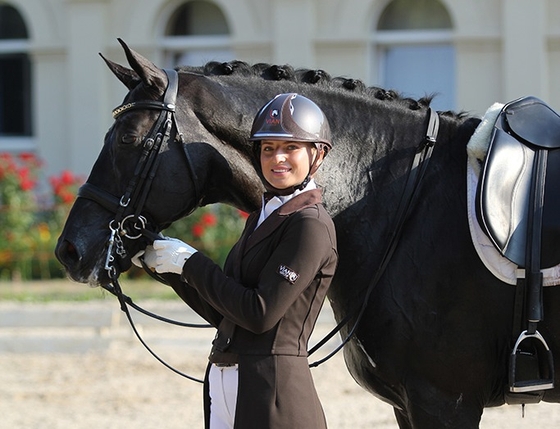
67	254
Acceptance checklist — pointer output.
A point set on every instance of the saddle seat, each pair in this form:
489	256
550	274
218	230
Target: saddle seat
523	127
533	122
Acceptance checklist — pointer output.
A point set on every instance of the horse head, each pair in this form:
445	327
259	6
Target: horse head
154	168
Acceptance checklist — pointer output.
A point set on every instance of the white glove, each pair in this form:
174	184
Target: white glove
149	256
171	255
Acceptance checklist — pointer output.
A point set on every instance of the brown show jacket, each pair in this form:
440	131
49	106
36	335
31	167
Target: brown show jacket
265	304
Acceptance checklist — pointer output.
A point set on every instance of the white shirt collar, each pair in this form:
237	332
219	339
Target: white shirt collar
277	201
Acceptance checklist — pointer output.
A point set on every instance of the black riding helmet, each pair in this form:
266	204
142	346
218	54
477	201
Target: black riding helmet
290	117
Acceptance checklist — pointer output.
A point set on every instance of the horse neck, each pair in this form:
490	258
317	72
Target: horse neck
368	135
216	133
374	143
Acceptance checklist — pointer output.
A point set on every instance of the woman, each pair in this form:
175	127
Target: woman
267	299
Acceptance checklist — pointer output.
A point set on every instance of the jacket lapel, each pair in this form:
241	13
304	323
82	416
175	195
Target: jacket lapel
272	222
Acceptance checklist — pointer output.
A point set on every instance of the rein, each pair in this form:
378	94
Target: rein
129	222
415	174
124	301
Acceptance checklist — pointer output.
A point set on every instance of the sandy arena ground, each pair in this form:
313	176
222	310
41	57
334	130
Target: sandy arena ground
55	373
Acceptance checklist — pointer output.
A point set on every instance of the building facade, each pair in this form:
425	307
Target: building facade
56	94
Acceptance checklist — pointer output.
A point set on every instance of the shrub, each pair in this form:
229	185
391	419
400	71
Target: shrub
212	230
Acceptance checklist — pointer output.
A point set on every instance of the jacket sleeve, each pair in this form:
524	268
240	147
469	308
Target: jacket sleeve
305	246
193	299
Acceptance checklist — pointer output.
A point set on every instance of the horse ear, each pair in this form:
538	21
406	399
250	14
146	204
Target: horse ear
127	76
151	75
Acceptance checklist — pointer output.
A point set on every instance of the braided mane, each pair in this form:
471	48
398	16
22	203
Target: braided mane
286	72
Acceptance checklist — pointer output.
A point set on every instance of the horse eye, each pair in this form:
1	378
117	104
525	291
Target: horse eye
129	139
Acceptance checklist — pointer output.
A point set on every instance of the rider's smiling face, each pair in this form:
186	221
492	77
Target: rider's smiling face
286	163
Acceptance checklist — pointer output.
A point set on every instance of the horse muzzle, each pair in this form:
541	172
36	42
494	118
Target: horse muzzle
72	259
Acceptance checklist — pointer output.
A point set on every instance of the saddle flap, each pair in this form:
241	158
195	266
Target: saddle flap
504	195
532	121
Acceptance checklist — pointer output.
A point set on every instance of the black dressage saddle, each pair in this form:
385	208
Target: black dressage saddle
526	130
519	208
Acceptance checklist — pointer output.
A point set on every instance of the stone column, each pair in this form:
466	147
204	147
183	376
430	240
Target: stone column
524	48
293	32
87	117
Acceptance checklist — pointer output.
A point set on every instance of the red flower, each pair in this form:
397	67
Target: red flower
27	184
29	159
197	230
65	186
208	219
243	214
67	177
23	173
66	197
6	157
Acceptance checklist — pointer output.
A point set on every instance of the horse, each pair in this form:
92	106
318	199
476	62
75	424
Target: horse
435	331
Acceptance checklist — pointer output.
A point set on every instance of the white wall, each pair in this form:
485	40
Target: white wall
505	49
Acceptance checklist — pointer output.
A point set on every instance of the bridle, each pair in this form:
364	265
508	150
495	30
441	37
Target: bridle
129	222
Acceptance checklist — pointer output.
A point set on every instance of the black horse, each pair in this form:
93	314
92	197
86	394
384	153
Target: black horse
436	330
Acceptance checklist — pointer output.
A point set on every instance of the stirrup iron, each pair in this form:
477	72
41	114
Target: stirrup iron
521	360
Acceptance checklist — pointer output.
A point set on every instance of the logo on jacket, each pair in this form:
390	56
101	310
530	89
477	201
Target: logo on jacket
288	273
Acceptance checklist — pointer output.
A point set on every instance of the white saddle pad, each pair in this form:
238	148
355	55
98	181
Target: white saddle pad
501	267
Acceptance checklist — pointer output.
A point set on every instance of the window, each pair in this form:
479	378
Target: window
416	56
15	76
196	33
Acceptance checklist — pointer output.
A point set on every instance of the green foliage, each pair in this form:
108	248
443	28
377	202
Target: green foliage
212	230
